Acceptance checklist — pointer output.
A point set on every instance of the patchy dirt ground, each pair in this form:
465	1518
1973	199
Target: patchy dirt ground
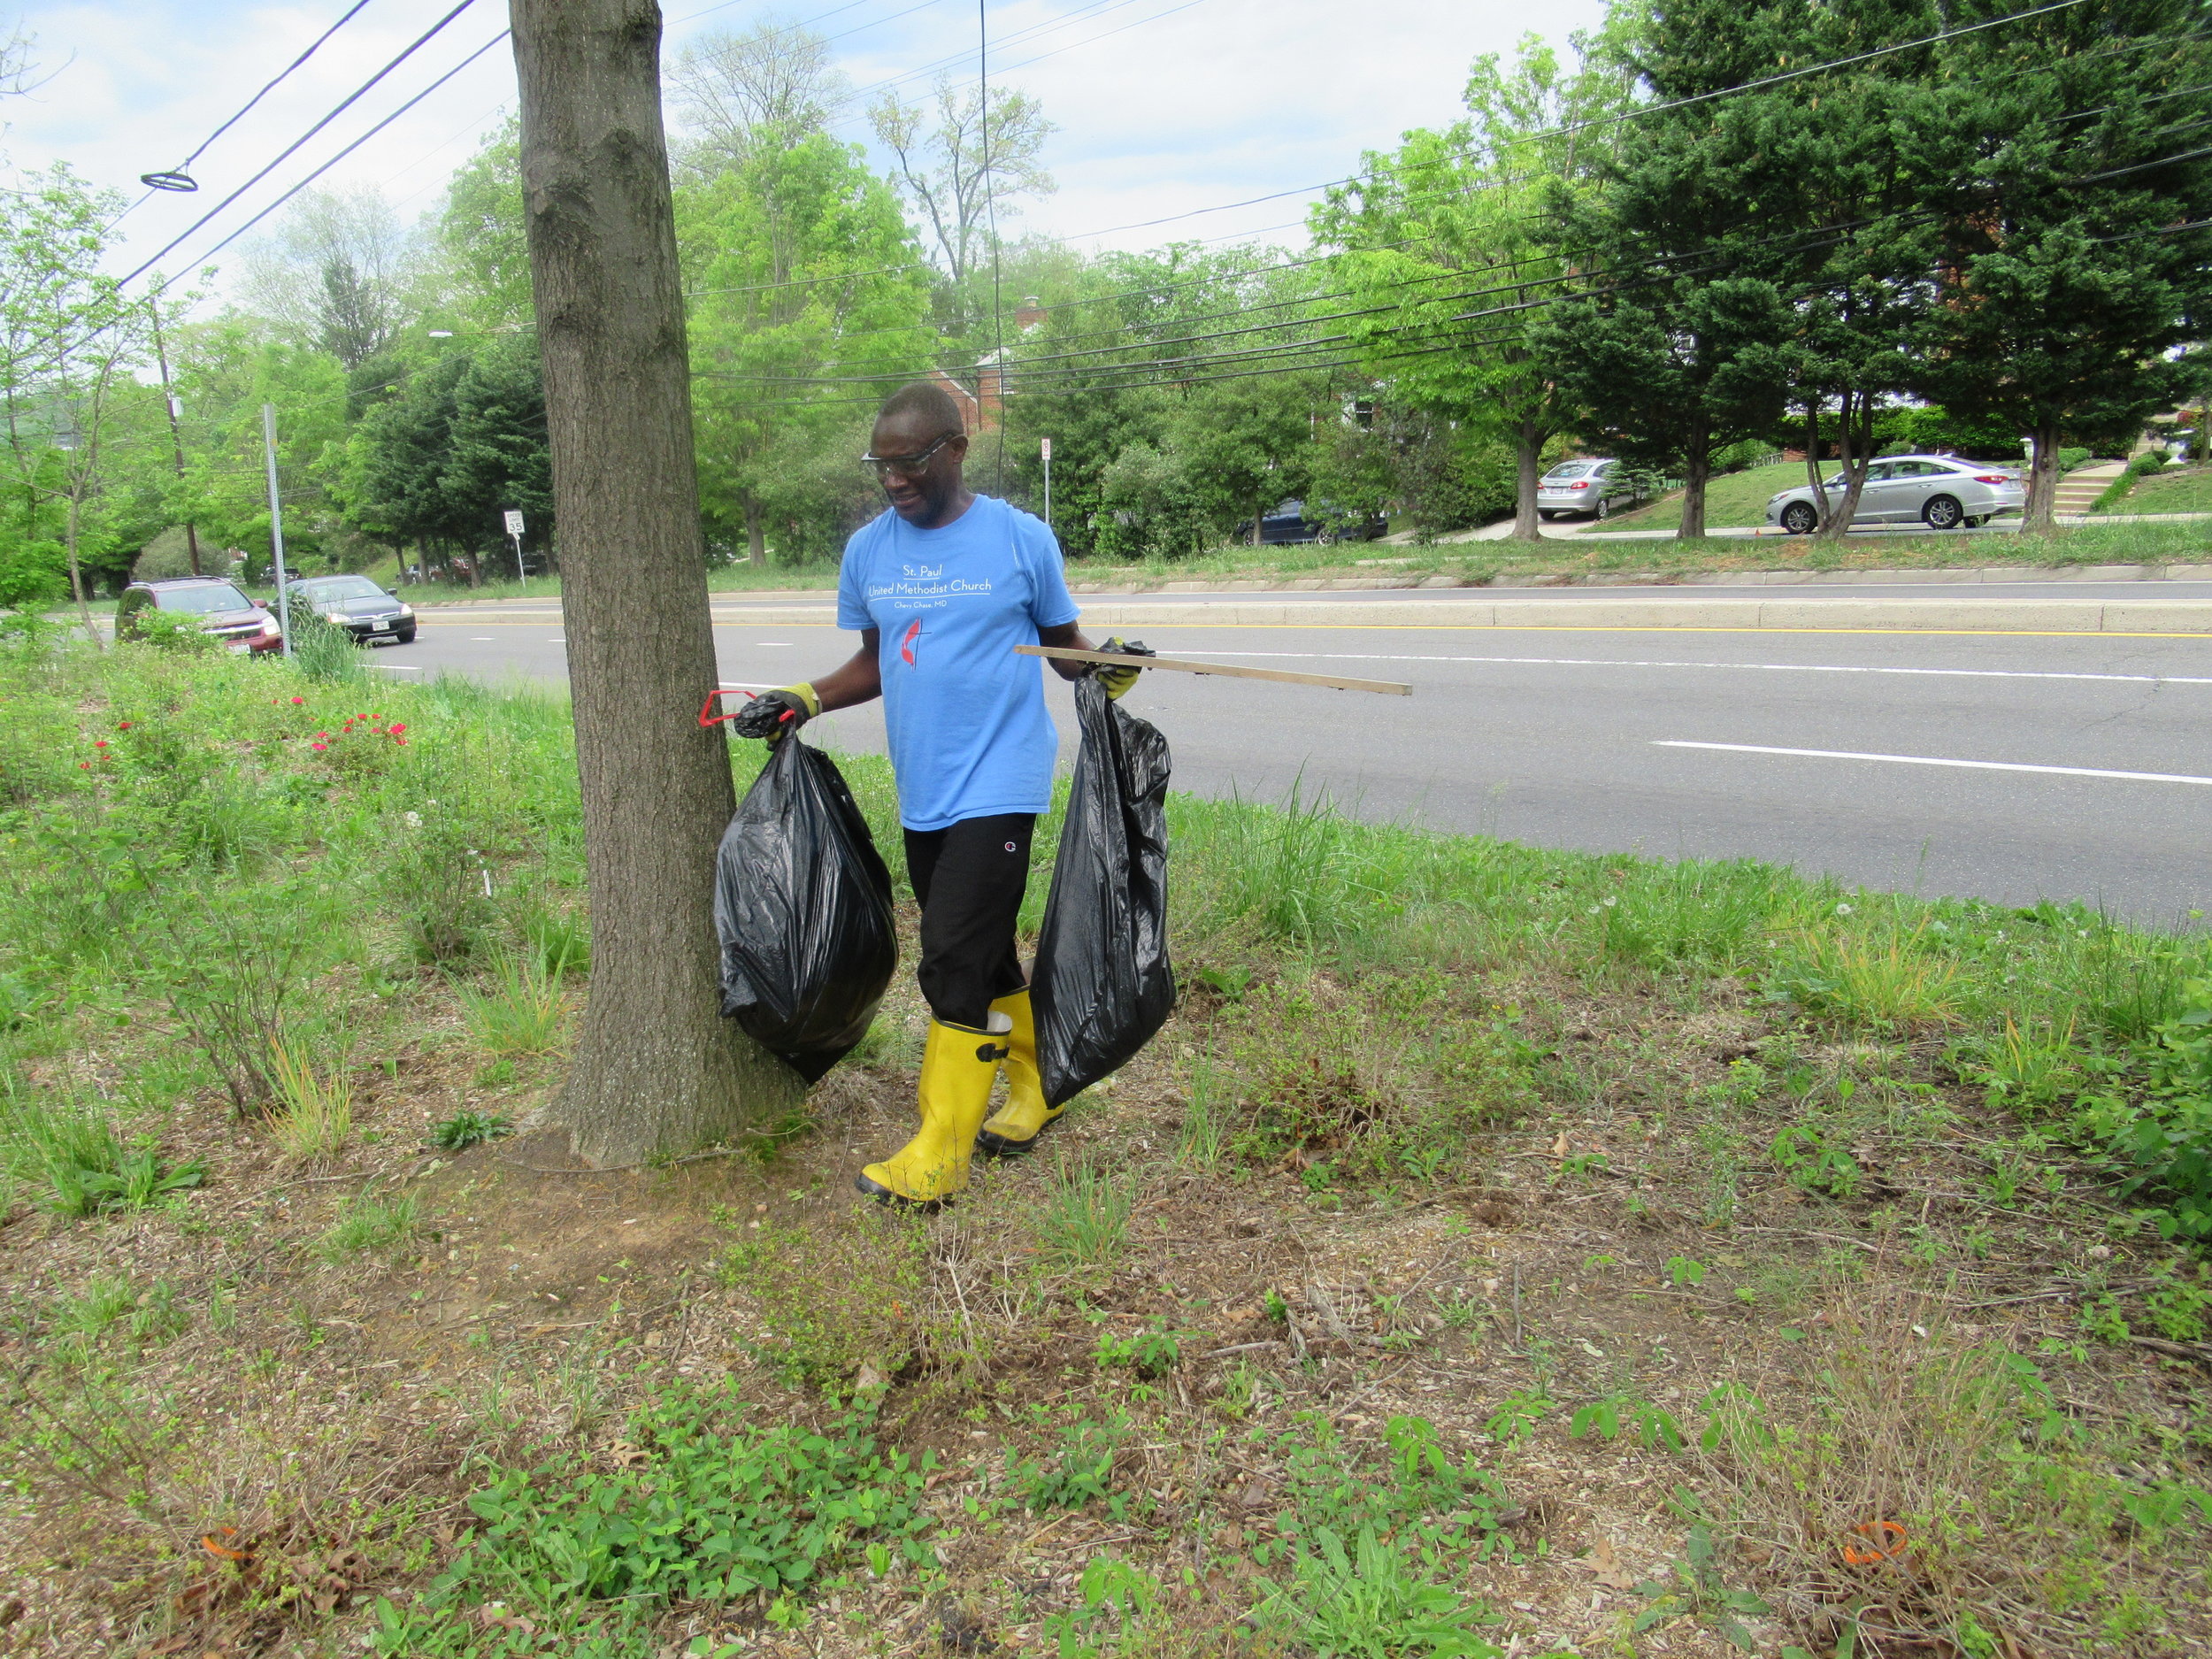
243	1462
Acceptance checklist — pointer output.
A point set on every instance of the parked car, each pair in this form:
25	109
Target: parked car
221	609
1289	523
1939	491
357	605
1592	487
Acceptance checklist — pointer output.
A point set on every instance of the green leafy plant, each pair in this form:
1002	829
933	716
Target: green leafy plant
468	1128
1079	1469
1697	1589
1813	1165
715	1507
70	1148
1654	1425
1113	1592
1374	1601
1152	1352
1517	1415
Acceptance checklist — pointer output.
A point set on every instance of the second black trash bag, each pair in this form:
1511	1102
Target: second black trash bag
1102	984
802	904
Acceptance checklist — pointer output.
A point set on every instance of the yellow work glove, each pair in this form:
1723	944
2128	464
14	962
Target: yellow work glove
776	714
1116	678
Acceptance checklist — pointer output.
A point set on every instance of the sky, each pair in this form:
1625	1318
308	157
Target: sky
1164	107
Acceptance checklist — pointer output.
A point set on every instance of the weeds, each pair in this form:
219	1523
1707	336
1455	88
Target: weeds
525	1012
1084	1218
370	1224
315	1115
69	1147
468	1128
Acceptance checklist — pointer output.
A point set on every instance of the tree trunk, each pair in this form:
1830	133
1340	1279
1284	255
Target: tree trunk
192	544
1812	463
656	1068
1851	454
1697	466
1259	518
76	579
1528	444
2040	514
756	534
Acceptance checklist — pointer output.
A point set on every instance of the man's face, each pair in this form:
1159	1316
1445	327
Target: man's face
919	496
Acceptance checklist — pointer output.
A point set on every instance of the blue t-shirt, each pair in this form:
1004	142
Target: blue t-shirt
970	733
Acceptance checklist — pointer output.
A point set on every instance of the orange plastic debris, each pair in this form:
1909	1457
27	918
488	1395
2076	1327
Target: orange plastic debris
208	1542
1877	1542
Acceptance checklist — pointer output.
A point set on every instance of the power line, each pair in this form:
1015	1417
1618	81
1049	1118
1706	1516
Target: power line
350	99
341	156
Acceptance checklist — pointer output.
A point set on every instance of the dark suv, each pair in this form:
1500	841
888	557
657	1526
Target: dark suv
357	605
218	605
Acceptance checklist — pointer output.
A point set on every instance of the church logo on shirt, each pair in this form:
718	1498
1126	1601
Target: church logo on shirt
909	641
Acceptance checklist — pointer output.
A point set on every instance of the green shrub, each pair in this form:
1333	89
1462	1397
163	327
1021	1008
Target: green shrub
827	1310
2071	458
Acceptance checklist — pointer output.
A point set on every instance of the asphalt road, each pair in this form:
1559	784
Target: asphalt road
2006	766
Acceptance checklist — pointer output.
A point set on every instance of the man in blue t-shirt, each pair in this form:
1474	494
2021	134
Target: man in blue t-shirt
940	588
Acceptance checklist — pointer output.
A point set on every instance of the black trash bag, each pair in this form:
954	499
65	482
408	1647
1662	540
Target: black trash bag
803	903
1102	984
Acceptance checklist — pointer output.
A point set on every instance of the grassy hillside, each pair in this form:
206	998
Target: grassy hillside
1732	499
2176	489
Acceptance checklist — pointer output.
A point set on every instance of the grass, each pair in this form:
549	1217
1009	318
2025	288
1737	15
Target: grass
1732	499
1492	1228
2186	489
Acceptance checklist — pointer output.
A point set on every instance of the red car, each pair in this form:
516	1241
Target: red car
222	611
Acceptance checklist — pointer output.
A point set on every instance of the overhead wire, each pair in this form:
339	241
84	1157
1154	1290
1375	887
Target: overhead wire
351	98
184	167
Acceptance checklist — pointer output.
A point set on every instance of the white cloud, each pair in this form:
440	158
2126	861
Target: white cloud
1178	107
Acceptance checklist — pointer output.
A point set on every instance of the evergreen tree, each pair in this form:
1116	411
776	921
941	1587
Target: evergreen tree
2063	162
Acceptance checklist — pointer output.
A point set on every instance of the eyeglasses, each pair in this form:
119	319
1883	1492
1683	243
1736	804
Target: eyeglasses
906	465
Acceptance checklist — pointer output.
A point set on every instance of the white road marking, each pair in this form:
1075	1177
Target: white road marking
1925	760
1778	668
558	639
773	645
482	639
397	668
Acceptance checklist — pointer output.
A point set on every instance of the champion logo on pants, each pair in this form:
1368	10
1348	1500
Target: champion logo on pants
907	641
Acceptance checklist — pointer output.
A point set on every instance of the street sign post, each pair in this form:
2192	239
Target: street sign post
514	535
1048	457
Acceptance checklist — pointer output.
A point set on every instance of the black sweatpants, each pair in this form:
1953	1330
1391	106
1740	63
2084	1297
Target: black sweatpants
969	879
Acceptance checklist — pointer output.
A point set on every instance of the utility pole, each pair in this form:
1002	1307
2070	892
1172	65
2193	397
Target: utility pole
656	1069
176	434
276	524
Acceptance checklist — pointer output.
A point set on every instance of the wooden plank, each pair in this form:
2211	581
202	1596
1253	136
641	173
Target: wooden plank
1066	653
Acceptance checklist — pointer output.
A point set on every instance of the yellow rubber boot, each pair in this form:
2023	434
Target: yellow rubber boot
1014	1126
957	1066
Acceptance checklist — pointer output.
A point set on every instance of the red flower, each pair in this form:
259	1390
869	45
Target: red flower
99	742
318	746
297	701
123	725
401	741
397	727
86	764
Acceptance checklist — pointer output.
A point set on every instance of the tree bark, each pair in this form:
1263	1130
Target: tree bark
656	1068
1528	444
76	579
1812	462
1697	466
756	534
2040	514
1853	440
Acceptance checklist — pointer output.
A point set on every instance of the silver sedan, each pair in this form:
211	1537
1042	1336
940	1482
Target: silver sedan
1936	490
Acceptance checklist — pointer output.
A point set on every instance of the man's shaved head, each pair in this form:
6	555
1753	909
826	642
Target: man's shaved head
921	410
